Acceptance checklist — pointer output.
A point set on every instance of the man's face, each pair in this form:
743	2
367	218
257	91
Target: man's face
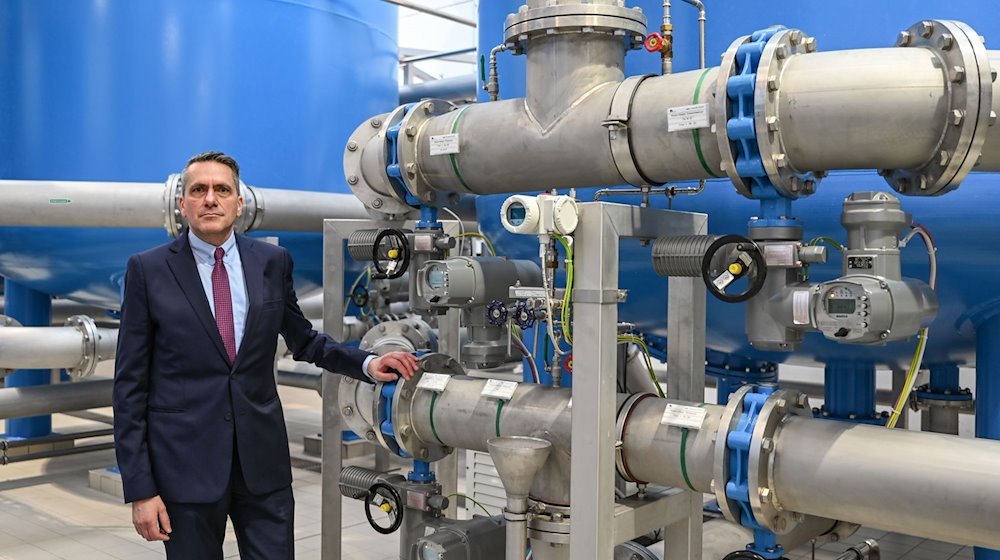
211	201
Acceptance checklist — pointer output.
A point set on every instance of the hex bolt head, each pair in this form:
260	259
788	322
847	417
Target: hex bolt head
411	131
795	37
904	39
765	494
946	41
780	160
352	146
348	411
772	83
370	435
809	43
767	444
406	431
802	400
411	170
772	123
945	157
926	29
809	187
958	74
957	116
377	203
780	524
794	184
423	453
376	123
353	179
781	52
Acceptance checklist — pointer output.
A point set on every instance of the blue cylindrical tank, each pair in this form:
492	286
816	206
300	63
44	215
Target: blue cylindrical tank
118	90
962	222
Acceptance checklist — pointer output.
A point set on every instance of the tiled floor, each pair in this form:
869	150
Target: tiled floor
48	512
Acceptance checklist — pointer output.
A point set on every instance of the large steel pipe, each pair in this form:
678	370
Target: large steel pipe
933	485
24	402
147	205
74	348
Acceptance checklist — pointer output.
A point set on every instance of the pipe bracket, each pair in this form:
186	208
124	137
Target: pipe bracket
619	134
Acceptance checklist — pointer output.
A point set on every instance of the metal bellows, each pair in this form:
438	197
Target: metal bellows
681	255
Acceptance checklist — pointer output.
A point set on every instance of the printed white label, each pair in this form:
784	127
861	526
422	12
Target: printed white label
433	381
498	389
683	416
724	280
780	255
800	307
444	144
687	117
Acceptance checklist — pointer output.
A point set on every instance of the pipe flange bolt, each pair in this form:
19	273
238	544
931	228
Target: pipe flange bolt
966	70
402	407
381	199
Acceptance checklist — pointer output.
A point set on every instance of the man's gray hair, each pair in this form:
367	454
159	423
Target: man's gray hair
228	161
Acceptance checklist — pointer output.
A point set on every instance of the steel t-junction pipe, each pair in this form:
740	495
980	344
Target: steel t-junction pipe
933	485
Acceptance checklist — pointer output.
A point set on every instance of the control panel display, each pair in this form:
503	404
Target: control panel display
836	305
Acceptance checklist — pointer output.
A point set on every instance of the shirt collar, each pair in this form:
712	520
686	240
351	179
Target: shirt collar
205	252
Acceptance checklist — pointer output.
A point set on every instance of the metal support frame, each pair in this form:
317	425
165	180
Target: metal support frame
592	467
335	233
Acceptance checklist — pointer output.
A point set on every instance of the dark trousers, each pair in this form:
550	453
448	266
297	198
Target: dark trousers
263	524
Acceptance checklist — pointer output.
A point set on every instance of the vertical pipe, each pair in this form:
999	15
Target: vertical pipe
32	309
988	393
849	391
939	419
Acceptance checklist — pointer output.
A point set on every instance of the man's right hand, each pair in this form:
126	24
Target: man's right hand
149	516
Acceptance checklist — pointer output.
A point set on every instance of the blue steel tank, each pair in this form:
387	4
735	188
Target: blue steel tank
962	222
118	90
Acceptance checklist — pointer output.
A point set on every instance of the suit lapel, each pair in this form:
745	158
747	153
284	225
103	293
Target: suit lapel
253	277
185	271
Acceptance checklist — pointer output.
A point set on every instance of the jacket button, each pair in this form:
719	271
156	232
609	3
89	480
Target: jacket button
229	417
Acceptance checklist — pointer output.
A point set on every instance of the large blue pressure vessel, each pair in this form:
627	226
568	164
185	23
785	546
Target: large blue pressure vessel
962	222
119	90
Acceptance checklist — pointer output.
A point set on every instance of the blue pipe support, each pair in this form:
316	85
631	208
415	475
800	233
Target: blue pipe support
988	392
738	487
421	472
849	393
732	372
429	218
944	385
32	309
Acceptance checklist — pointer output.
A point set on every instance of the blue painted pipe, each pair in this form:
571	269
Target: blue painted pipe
32	309
988	392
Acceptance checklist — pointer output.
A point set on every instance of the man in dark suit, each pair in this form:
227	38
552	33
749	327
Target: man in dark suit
199	430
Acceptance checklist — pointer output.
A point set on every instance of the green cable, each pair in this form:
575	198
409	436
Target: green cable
471	499
489	244
832	242
434	397
684	468
499	408
454	161
697	132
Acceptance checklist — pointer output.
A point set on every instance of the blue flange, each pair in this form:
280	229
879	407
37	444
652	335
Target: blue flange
384	420
392	169
421	472
737	487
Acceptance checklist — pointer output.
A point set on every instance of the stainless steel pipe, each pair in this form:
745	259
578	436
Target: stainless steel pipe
148	205
54	347
21	402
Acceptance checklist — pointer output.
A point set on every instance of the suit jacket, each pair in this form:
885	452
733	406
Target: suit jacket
180	406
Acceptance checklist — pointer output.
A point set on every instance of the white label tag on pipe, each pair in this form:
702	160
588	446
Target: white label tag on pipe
444	144
800	307
499	389
683	416
433	382
687	117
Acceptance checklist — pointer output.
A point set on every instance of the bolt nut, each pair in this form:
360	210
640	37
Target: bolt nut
767	444
411	131
957	116
352	146
405	431
904	39
957	74
802	400
377	203
781	52
765	494
780	160
376	123
772	123
945	158
423	453
926	29
370	435
353	179
780	524
795	37
946	41
348	411
772	83
809	44
809	187
411	170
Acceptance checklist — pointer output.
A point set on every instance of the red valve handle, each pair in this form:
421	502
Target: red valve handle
653	42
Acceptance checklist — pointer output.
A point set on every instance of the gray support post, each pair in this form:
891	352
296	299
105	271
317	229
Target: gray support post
686	381
595	308
447	468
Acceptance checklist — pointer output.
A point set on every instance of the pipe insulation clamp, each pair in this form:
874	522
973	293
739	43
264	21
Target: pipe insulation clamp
750	144
619	134
965	64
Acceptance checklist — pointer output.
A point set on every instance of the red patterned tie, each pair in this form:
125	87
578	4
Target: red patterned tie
223	305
